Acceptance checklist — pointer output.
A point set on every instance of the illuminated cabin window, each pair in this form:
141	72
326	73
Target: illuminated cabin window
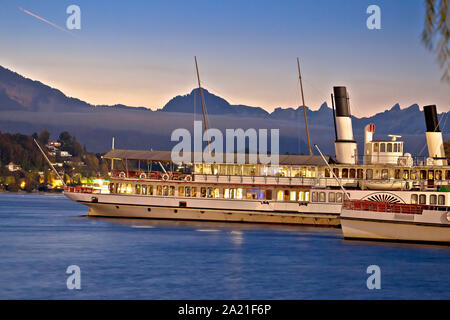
327	173
338	196
137	189
181	191
232	193
397	174
165	191
187	191
369	174
129	189
438	175
405	174
375	147
210	192
216	192
111	187
159	190
422	199
414	199
144	189
292	195
441	200
255	194
345	173
322	197
314	197
150	190
423	174
385	174
331	197
433	199
352	173
207	168
303	196
413	175
280	195
203	192
194	192
430	175
171	191
198	168
382	147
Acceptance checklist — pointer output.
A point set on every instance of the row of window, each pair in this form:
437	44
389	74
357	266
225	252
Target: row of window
387	147
322	197
433	199
387	174
210	192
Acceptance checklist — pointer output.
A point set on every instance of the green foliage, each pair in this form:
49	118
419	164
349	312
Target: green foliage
43	137
21	150
436	33
70	144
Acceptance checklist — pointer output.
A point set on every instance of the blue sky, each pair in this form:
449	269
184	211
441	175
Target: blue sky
140	53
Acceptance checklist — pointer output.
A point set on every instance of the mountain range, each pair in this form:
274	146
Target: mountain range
29	106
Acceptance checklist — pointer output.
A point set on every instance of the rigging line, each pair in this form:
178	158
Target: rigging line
203	103
319	91
304	107
195	118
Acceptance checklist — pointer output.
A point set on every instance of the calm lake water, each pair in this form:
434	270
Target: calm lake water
41	235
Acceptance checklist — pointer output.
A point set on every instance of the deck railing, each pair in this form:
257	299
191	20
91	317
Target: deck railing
79	189
375	206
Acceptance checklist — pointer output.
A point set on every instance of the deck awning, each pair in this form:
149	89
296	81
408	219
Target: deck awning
166	156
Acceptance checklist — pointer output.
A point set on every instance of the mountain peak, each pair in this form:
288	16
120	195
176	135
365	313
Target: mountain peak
395	107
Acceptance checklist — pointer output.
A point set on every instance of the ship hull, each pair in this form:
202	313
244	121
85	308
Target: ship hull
112	206
431	226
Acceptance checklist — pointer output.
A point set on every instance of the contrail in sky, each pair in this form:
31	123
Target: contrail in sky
46	21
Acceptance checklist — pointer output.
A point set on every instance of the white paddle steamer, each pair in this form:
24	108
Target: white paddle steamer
300	190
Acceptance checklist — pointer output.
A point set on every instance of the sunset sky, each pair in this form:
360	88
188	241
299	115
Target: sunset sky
141	53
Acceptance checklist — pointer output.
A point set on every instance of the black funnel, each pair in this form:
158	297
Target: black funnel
431	119
342	102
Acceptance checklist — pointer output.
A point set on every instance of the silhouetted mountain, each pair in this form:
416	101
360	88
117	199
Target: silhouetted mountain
29	106
191	103
19	93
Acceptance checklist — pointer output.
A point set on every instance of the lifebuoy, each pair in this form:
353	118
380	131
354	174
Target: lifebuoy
142	175
165	177
122	175
188	178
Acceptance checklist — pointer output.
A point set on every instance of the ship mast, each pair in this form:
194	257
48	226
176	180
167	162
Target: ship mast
203	103
304	107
